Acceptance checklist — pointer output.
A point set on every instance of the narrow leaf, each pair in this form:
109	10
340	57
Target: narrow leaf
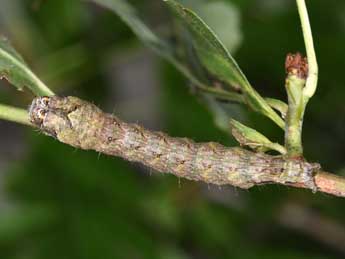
217	59
250	137
14	69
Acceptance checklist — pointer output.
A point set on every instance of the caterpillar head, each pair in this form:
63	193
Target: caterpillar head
38	110
46	114
42	108
60	117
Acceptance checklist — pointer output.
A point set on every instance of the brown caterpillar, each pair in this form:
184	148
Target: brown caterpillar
83	125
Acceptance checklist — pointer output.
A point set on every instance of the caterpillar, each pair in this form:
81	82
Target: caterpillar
83	125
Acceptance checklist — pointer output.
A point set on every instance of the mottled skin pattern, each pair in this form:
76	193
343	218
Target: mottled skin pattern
83	125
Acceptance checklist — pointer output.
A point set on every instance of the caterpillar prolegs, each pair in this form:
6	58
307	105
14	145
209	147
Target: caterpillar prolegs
83	125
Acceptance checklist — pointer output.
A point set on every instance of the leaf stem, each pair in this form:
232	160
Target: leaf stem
311	83
225	95
14	114
222	94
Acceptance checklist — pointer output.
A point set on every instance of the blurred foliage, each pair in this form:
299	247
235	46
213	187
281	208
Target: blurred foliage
64	203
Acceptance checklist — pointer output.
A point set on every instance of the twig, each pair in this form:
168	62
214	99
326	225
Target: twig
330	183
296	67
325	182
301	85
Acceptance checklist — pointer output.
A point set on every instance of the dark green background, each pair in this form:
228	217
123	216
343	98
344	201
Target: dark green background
58	202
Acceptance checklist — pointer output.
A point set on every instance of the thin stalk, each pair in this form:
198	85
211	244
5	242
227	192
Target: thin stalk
311	83
222	94
14	114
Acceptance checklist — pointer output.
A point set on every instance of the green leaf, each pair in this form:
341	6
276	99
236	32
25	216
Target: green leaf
217	59
14	69
250	137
